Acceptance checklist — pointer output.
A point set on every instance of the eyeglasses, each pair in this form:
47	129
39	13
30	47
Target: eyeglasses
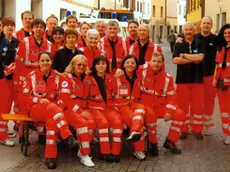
81	65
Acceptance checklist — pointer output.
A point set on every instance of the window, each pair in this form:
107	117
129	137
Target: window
148	9
141	7
217	22
154	10
162	12
223	19
137	6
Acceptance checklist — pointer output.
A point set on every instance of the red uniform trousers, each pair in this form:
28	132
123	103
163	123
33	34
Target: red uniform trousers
133	117
224	98
80	124
103	128
209	101
116	124
55	121
191	99
4	107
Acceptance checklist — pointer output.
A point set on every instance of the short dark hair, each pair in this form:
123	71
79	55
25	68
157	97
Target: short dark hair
51	16
71	17
27	12
44	52
221	42
157	54
6	21
57	29
133	21
38	21
95	61
70	31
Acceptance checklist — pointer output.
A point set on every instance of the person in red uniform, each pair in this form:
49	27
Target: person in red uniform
159	97
133	36
27	54
113	45
5	92
63	56
222	79
100	95
144	47
27	19
101	27
92	50
39	91
84	27
51	23
126	102
57	39
188	56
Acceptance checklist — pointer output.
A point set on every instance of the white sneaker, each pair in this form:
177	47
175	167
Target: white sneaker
227	140
7	143
134	136
11	134
87	161
139	155
207	131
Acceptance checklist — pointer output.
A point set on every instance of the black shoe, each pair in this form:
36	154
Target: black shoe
116	158
170	145
107	157
72	142
154	150
184	135
41	139
199	136
51	163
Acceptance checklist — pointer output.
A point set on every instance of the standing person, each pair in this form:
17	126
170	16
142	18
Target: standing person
57	40
92	50
101	27
100	96
144	47
63	56
9	46
210	43
113	45
72	99
5	92
71	22
172	40
159	97
27	19
39	92
84	27
188	56
222	78
51	23
133	35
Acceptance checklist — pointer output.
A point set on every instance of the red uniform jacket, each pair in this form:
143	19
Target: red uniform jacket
55	47
94	98
157	90
81	43
223	74
128	45
20	35
35	87
152	47
124	95
72	94
120	49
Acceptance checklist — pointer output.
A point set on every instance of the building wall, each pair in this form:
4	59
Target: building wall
212	9
181	13
172	15
111	4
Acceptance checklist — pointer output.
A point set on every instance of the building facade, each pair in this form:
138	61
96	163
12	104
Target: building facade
181	14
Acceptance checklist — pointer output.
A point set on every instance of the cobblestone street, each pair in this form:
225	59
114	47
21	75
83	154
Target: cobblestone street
208	155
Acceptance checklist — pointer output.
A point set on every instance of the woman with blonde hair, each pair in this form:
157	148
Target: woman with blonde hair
72	100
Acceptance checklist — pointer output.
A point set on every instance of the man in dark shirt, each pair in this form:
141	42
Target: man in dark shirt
63	56
209	41
188	56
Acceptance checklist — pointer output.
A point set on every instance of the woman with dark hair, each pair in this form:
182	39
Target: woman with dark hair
222	78
57	39
39	95
100	97
126	102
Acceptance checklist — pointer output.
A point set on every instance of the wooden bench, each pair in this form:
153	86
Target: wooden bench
25	128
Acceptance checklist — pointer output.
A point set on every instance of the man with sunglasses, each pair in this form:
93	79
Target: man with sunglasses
188	56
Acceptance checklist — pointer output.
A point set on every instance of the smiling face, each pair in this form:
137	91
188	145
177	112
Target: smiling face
132	29
38	30
45	63
130	65
27	19
72	23
227	35
84	28
58	37
92	40
9	29
206	24
189	31
100	26
79	66
143	32
71	40
156	63
51	24
112	30
101	66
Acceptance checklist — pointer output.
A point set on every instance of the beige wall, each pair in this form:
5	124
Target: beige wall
111	4
172	13
212	9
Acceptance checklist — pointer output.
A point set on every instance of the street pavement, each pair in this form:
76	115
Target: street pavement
208	155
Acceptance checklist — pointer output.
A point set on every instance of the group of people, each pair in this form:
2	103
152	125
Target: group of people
93	79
